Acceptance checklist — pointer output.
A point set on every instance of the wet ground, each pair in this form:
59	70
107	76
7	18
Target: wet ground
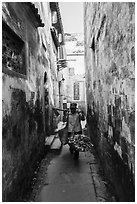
60	178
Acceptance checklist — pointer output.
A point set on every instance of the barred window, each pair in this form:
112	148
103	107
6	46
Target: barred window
13	51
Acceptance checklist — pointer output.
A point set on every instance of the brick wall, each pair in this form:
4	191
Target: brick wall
110	86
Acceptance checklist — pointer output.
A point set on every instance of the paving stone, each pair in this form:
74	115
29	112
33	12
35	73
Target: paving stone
94	168
49	140
56	145
100	199
68	180
67	193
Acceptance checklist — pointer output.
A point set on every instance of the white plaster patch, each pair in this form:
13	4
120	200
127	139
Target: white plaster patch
118	149
125	131
110	132
4	7
31	89
6	96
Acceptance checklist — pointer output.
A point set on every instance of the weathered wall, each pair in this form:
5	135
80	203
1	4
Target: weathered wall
27	97
110	87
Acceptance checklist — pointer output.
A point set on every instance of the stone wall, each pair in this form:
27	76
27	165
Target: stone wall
110	88
27	93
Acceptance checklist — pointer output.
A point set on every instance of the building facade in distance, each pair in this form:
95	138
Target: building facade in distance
74	84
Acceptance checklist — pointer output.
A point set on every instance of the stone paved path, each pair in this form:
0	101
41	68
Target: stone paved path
62	179
68	180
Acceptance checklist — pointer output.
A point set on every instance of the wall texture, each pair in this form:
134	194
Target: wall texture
27	94
110	86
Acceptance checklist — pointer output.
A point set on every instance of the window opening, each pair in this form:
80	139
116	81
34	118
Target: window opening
76	91
13	51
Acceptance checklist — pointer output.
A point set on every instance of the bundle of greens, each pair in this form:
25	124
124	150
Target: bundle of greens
81	142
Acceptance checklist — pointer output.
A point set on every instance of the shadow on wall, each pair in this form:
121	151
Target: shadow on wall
23	146
115	168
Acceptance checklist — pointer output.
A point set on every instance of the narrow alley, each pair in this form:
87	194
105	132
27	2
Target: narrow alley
68	101
64	179
68	180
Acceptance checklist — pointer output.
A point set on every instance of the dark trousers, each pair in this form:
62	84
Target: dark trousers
75	133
